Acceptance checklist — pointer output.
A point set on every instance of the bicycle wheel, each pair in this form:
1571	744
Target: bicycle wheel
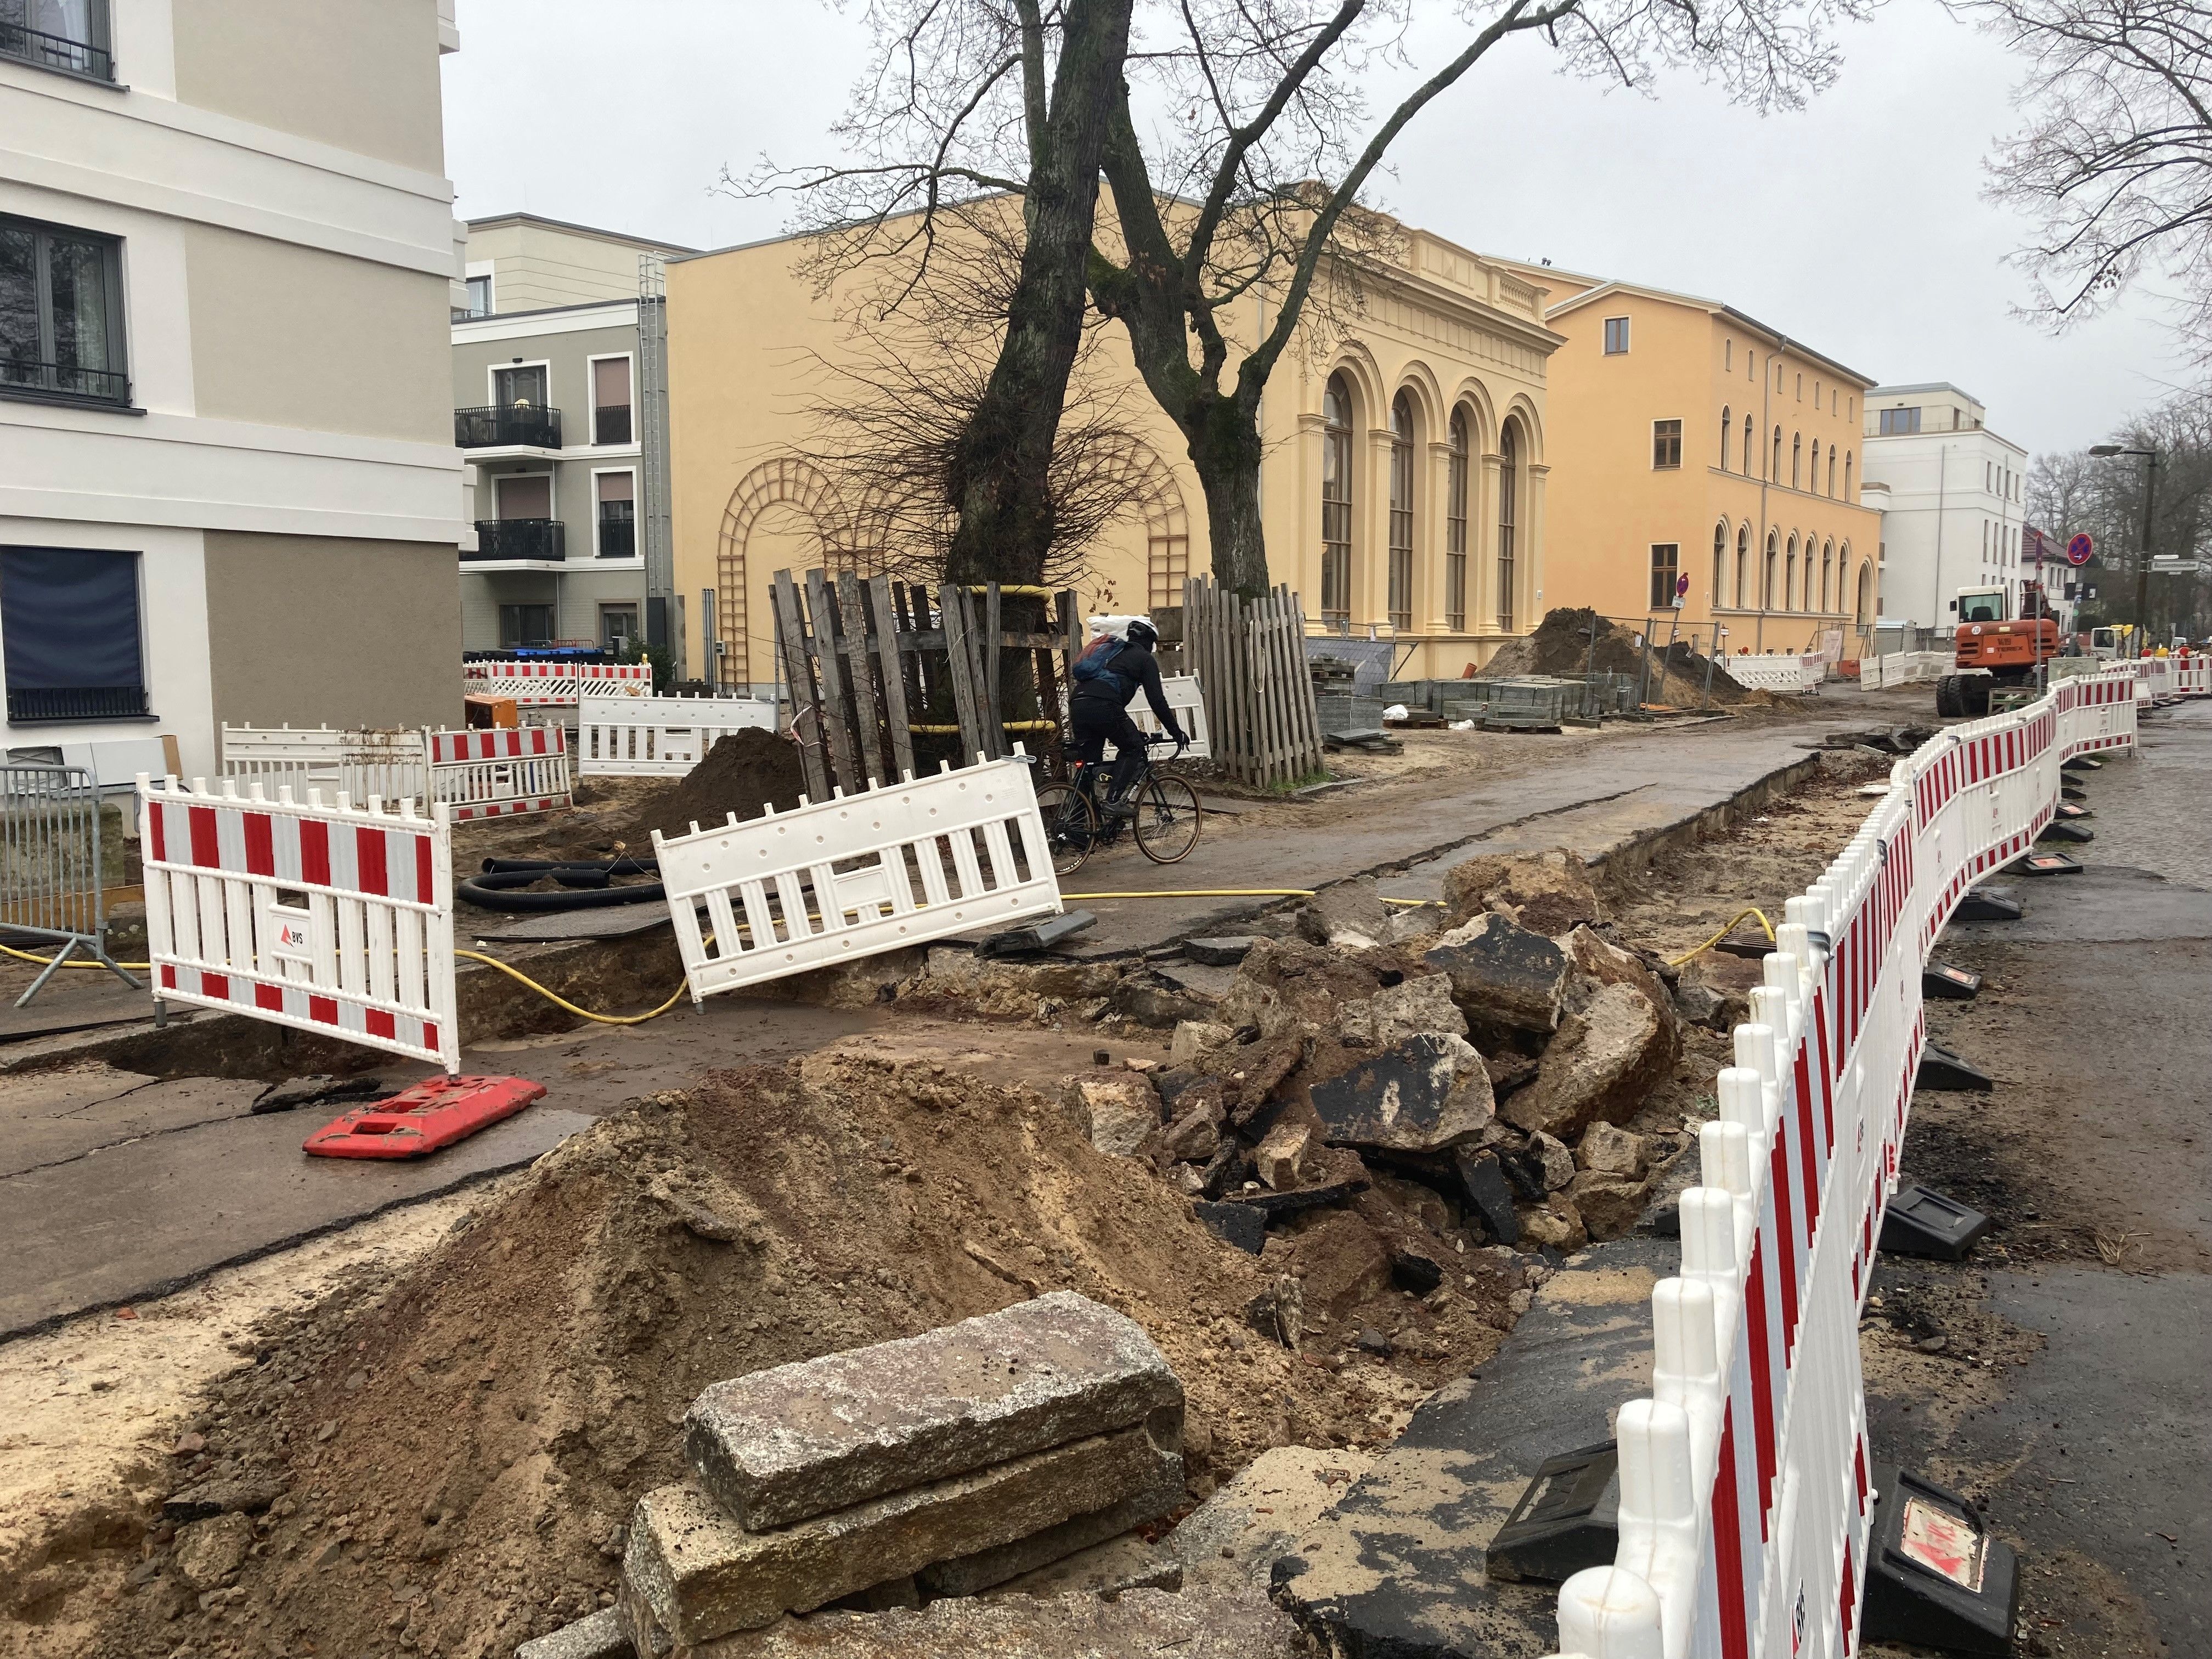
1071	826
1167	820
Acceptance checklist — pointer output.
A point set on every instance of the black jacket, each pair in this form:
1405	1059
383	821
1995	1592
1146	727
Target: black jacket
1140	670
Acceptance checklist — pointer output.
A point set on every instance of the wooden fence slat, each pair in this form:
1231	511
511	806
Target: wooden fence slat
961	664
858	659
892	671
798	671
830	665
994	659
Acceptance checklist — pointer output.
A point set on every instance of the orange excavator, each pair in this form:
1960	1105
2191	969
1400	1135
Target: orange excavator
1994	649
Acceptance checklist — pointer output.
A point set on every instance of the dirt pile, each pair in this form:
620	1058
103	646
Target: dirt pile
448	1462
1561	645
746	773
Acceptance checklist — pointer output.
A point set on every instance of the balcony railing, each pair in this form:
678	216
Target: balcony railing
55	51
64	381
26	704
520	539
618	538
521	425
610	424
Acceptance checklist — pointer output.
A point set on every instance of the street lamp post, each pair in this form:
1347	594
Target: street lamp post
2150	501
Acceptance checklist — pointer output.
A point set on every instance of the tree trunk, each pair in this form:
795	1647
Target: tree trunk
1225	448
999	481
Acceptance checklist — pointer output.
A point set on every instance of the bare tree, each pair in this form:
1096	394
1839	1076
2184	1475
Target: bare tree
2114	166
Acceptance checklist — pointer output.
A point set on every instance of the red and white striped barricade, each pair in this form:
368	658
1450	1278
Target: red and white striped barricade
1792	673
1745	1497
1187	699
833	881
324	917
2192	677
626	737
391	764
554	684
496	772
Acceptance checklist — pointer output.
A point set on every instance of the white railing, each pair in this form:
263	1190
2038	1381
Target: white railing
1903	668
500	772
554	684
1790	672
626	736
324	917
1188	698
1745	1494
391	763
836	881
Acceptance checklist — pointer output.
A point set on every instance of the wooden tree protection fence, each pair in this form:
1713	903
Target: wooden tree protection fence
1249	656
874	663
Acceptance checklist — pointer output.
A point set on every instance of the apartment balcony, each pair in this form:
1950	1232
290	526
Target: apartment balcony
55	51
516	429
516	544
610	424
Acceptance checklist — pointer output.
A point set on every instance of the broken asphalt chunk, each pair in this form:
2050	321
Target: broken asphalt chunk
1244	1225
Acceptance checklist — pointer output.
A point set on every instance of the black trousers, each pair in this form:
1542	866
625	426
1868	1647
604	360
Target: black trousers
1099	722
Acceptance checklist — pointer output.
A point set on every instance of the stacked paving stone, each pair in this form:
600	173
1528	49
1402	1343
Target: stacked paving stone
940	1465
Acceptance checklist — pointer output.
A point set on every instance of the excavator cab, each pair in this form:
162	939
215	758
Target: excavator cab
1982	605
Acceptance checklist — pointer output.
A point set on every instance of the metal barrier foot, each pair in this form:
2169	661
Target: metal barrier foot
1935	1576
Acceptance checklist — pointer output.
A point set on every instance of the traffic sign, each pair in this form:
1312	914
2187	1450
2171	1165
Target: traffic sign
1681	586
2078	550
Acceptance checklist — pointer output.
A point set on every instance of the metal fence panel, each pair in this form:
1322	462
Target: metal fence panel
52	864
500	772
834	881
619	736
324	917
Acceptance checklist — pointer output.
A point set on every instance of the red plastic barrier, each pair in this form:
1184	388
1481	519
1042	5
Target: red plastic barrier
424	1118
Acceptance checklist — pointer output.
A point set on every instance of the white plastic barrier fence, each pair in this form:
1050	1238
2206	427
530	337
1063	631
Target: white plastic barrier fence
2155	680
326	918
390	764
1790	673
542	685
1903	668
834	881
1745	1487
1189	700
658	736
493	774
2192	677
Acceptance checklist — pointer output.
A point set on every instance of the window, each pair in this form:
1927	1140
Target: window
611	422
618	627
1793	596
1666	564
1456	526
1899	423
617	515
1816	394
1827	563
1812	478
1775	472
1616	336
522	387
1797	448
1847	477
1750	448
1832	469
1509	487
1726	425
1336	502
479	296
1743	562
523	495
1988	475
1666	443
525	624
1402	512
69	36
1720	565
1801	388
69	618
1766	577
61	313
1728	357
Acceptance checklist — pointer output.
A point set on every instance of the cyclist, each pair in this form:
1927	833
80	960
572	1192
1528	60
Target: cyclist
1108	677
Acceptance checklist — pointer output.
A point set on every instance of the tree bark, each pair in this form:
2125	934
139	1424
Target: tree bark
999	483
1225	448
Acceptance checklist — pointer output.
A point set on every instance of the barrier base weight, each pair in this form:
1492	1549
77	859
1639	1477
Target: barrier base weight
1988	904
1567	1520
2069	813
1039	935
424	1118
1941	1069
1935	1578
2083	763
1954	984
2047	864
1923	1222
2060	829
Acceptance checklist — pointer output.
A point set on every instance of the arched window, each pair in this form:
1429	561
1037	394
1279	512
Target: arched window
1790	577
1455	527
1827	560
1832	469
1720	557
1750	446
1847	477
1726	425
1773	558
1509	490
1402	512
1862	610
1336	502
1775	472
1796	455
1812	478
1743	562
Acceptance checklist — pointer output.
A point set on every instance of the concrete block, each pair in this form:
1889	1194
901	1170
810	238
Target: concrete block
701	1573
602	1635
1116	1111
1226	951
1420	1007
1278	1157
824	1434
1607	1057
1422	1095
1125	1562
1503	975
970	1575
1235	1536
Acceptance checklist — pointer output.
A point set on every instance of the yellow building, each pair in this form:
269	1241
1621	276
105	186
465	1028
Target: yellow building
1403	490
1688	439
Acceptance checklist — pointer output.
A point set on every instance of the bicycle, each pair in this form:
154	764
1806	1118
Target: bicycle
1166	825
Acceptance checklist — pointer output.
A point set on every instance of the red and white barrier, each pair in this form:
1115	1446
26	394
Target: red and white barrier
389	763
324	917
493	774
1745	1484
836	881
554	684
659	736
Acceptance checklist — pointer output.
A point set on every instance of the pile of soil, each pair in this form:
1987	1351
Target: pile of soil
1561	645
457	1451
746	773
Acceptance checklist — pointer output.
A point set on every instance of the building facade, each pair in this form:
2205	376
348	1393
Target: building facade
548	375
1698	451
1403	490
1957	500
215	504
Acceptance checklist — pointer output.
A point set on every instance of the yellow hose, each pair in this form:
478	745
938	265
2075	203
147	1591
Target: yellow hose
1752	911
560	1001
89	962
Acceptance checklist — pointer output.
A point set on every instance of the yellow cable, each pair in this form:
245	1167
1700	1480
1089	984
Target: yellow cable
1753	910
1206	892
87	962
560	1001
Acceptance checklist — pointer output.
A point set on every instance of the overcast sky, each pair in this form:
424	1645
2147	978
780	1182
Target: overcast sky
1856	225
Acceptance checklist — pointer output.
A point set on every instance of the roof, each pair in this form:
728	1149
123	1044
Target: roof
1923	385
1786	342
624	237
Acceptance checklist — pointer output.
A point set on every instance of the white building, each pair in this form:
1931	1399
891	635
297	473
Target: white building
1956	499
228	488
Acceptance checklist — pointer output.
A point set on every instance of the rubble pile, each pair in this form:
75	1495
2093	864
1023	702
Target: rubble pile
1561	644
1490	1055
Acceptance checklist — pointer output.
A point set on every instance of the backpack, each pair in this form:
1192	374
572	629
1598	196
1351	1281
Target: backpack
1097	663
